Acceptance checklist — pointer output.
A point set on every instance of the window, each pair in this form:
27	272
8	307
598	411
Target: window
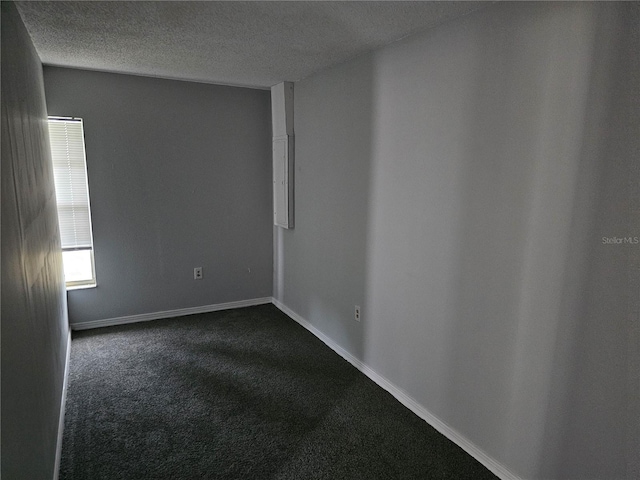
72	196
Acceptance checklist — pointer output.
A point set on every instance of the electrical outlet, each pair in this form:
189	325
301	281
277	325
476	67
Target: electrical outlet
356	313
197	273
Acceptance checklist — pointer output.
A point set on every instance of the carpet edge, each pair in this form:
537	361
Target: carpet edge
63	404
404	398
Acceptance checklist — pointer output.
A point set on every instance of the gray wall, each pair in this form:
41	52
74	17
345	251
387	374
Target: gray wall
601	410
34	319
457	185
179	177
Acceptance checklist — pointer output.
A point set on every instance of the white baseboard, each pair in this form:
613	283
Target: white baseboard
63	402
144	317
403	397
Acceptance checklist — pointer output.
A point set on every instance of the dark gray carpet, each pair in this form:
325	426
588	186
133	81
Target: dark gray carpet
239	394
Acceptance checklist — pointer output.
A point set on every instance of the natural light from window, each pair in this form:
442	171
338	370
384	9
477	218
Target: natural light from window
77	265
72	198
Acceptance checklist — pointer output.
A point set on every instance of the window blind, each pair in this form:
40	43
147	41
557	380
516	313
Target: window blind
72	191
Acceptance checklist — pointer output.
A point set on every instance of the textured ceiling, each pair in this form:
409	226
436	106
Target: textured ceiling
255	44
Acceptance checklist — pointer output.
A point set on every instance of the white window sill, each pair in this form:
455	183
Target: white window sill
82	287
